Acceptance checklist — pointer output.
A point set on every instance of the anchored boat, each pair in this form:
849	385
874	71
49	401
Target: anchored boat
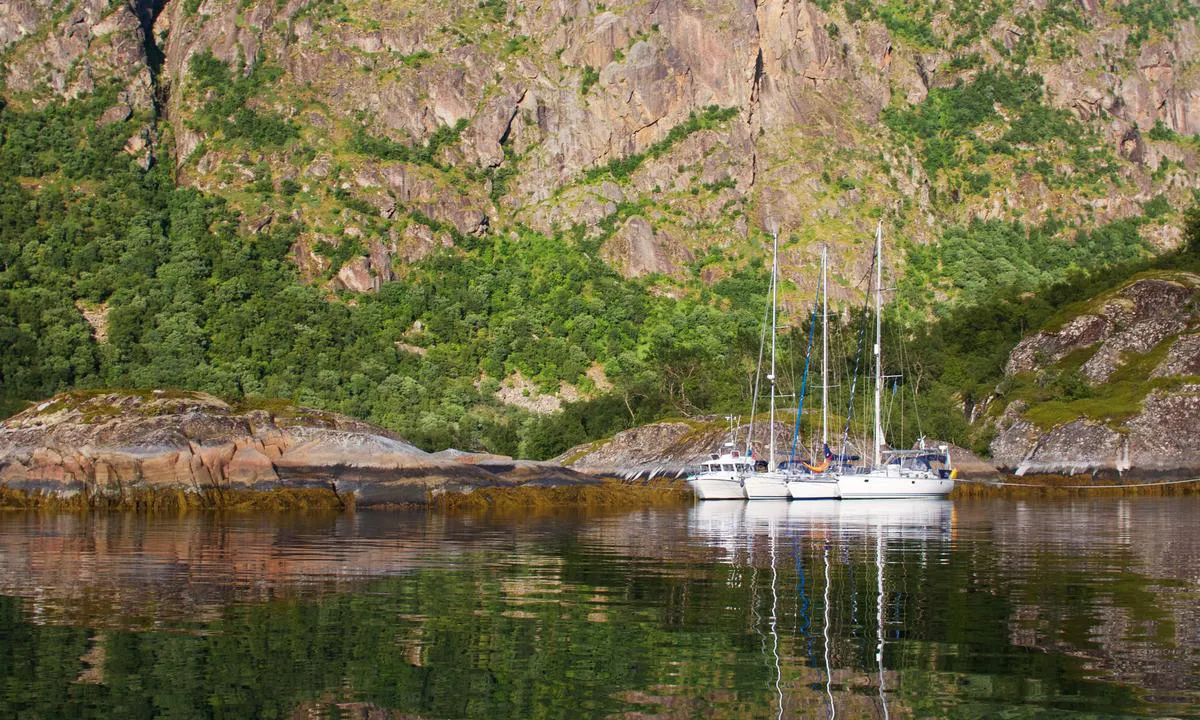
894	473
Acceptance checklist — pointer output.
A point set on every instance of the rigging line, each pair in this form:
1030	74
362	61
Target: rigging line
804	382
849	562
762	639
853	384
891	406
802	596
762	341
913	388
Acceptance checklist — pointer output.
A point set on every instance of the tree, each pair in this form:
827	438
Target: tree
1191	231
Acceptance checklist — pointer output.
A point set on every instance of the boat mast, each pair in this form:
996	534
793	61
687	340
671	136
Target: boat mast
878	340
771	376
824	346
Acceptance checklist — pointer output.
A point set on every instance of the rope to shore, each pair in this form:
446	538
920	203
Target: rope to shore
1075	487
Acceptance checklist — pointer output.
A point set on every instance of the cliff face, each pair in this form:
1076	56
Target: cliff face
1112	387
668	131
113	446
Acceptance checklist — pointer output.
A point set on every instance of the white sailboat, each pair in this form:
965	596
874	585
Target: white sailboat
894	473
771	483
720	476
812	482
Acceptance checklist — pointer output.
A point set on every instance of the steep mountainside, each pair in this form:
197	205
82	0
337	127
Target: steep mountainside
671	132
436	214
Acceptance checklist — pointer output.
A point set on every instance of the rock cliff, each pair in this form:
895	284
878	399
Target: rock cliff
111	446
1111	387
670	131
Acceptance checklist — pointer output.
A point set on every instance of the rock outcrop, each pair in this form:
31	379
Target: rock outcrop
671	448
112	446
1135	409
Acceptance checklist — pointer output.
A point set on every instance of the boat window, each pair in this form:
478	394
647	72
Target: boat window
727	468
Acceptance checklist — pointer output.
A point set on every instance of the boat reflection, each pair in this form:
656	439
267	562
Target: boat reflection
917	518
826	538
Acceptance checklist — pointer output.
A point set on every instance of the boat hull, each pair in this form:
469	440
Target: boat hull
813	489
717	489
766	487
885	485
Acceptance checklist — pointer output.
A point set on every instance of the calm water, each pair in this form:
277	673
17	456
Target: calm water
898	609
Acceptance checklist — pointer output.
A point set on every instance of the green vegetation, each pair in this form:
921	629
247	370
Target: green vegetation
495	9
946	128
364	143
1157	15
1114	401
621	168
191	300
987	259
194	303
563	625
588	77
963	354
912	21
225	109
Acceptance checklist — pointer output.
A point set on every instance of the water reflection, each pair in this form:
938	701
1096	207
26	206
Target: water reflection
844	529
1068	586
887	609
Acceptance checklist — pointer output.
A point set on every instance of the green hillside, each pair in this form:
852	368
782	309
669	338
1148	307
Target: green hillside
425	214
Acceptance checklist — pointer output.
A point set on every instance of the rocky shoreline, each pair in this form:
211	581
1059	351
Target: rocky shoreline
120	448
175	449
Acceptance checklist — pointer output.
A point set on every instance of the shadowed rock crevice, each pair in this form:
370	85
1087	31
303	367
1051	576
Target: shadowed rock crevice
147	12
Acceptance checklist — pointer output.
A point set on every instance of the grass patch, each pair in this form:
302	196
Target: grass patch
1115	401
383	148
1094	305
620	168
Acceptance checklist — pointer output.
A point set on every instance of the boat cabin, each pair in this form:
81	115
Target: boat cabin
728	463
936	462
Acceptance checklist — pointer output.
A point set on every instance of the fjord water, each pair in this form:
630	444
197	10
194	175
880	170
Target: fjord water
888	609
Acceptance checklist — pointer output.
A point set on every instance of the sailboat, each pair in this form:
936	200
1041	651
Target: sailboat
813	482
770	483
894	473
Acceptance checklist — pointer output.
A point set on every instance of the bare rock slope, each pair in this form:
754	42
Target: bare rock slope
672	447
113	445
413	125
